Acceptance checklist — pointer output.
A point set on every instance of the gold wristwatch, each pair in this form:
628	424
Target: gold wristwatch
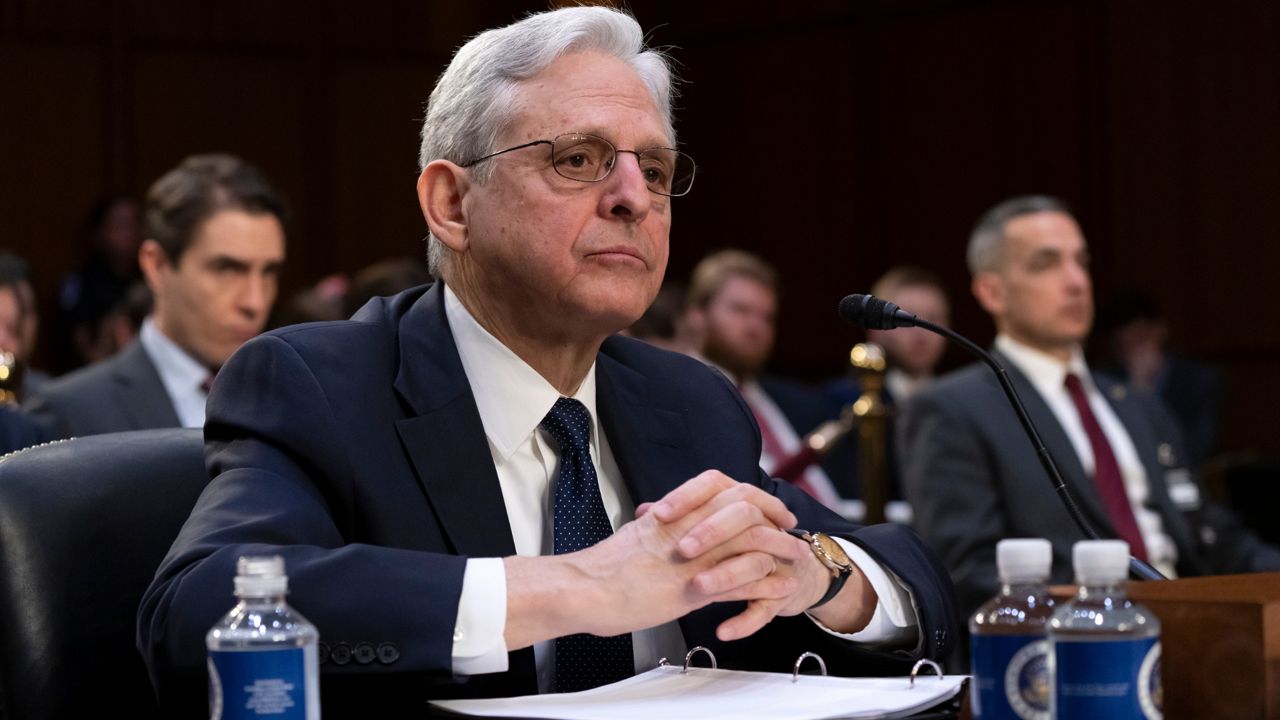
832	556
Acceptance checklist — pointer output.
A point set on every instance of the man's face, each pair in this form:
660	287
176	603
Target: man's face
738	326
221	290
10	321
1042	294
558	259
915	350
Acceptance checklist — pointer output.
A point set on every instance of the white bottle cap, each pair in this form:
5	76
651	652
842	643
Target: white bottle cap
261	576
1023	559
1100	562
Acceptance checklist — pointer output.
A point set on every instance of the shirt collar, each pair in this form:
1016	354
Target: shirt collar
1047	373
176	368
902	386
511	396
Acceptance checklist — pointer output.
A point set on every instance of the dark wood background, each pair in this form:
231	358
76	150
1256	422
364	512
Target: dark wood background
834	138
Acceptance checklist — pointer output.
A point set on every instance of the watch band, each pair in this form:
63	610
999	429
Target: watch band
839	575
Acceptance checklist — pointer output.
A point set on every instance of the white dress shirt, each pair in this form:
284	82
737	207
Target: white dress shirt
1048	375
181	374
902	387
512	399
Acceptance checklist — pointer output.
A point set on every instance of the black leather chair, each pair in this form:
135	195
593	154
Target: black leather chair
83	525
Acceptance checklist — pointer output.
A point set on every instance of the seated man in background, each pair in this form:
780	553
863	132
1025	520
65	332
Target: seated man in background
15	278
477	488
16	430
973	478
212	255
911	355
1137	335
733	308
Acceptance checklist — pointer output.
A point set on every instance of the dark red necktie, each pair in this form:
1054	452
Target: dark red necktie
1106	474
773	447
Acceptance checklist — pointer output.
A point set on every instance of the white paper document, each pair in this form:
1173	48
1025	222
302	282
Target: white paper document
665	693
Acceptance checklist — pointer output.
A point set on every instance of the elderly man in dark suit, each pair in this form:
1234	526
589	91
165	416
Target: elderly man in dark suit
477	488
212	255
972	477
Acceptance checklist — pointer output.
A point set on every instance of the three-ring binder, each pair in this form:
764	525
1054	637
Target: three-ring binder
795	670
921	664
707	691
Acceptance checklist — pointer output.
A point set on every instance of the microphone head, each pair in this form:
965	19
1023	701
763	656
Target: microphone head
868	311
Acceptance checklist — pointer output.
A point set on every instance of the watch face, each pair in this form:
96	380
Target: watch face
833	549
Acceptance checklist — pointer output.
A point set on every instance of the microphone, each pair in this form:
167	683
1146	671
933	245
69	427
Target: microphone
867	311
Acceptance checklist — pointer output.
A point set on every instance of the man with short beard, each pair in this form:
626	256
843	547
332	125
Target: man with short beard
733	307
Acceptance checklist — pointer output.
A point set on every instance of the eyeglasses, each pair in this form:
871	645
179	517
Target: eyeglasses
587	158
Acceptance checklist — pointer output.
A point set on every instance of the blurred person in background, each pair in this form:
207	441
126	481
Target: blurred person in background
16	430
211	259
733	308
383	279
85	295
911	354
1137	337
20	303
665	324
973	478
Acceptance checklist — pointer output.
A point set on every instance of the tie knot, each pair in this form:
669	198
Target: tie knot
1072	381
569	423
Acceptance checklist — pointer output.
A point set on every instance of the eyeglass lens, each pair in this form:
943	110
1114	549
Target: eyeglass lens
588	158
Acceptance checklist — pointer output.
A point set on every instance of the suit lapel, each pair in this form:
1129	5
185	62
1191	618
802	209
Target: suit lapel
444	436
648	443
1132	416
1055	439
140	395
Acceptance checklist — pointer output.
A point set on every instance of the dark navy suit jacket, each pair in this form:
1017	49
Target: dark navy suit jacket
355	450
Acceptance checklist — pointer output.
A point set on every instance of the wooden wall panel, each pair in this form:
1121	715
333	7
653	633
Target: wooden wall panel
378	110
835	138
51	153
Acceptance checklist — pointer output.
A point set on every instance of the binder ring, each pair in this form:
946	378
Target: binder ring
923	663
795	671
689	658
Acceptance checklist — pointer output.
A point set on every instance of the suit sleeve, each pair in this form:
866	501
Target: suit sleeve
948	476
278	469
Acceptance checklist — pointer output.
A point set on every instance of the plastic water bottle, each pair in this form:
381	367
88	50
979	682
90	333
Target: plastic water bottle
262	655
1008	649
1106	648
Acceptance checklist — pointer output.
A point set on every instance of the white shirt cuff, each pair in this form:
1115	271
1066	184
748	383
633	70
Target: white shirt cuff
895	621
479	646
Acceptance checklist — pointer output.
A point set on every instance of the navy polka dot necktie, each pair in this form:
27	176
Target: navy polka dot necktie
582	661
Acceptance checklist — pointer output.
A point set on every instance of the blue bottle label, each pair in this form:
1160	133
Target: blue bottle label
1108	678
258	683
1012	677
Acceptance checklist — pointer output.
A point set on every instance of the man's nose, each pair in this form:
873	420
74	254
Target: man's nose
254	299
626	195
1077	275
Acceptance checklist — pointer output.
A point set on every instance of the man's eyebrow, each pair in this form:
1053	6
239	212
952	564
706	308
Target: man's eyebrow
227	261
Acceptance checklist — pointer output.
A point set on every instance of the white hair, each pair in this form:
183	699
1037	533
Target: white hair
475	98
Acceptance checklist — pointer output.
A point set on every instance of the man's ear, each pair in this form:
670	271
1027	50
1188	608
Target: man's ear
988	288
152	260
441	189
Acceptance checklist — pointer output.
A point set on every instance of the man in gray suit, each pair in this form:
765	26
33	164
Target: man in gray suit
214	246
973	478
